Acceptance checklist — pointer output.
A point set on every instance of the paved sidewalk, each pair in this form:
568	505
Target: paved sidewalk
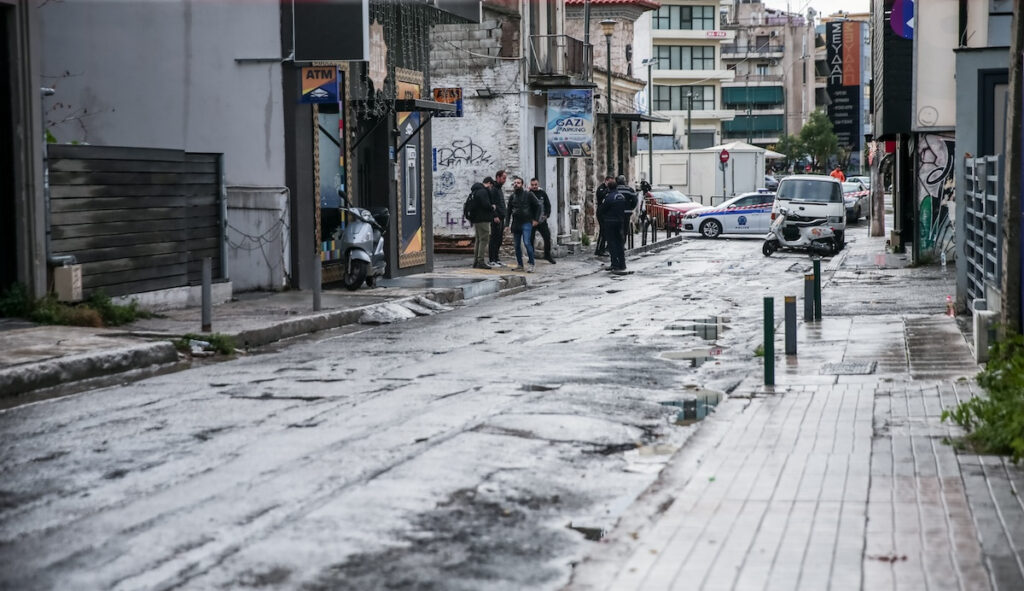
837	477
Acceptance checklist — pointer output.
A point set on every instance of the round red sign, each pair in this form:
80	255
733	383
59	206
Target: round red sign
723	156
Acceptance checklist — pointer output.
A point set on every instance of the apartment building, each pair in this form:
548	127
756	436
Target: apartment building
772	57
688	73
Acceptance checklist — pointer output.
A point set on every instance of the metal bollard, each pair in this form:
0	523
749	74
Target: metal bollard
317	279
790	312
207	294
809	297
769	341
817	288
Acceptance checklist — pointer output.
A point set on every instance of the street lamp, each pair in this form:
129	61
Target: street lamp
608	27
650	113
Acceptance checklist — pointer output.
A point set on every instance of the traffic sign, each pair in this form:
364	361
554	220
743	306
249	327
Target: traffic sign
723	156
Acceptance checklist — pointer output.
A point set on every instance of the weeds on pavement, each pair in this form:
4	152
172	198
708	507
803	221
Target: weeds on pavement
995	423
98	311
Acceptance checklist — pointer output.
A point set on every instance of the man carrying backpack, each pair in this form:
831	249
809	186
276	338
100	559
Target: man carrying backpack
480	212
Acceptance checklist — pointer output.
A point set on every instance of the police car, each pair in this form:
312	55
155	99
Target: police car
748	213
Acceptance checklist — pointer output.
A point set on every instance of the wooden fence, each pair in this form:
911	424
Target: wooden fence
136	219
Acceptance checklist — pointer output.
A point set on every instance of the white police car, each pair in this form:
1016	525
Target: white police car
748	213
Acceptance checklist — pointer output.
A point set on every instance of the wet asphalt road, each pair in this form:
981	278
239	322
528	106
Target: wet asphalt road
454	451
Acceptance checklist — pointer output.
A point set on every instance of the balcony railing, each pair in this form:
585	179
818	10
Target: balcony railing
735	48
559	59
741	78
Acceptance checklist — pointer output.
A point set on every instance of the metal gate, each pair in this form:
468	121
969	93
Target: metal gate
983	214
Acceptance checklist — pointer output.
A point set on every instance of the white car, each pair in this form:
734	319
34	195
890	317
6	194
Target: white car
748	213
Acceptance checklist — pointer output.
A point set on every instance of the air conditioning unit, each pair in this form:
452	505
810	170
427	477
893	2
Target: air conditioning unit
773	62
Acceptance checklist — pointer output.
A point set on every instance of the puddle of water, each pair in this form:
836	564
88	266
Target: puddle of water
593	534
696	407
709	328
696	357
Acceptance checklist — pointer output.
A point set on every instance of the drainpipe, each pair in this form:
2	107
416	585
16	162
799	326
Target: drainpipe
222	198
64	259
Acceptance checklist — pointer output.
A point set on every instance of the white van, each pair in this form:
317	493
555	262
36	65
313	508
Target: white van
814	196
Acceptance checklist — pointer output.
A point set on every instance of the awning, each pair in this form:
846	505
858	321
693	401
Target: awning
634	117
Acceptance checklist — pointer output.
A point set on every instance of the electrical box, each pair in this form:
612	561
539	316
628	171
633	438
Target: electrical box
67	282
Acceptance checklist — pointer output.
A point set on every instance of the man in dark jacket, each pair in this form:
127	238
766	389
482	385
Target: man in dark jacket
545	213
611	213
481	215
629	195
523	216
602	191
497	228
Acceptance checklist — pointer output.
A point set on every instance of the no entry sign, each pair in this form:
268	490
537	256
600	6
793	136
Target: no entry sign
723	156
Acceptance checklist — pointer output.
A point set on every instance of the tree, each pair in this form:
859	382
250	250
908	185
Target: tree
818	139
792	148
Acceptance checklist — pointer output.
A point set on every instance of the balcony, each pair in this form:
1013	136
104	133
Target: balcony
560	61
741	49
742	79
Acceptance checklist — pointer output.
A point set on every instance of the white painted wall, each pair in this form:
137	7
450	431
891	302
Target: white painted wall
163	74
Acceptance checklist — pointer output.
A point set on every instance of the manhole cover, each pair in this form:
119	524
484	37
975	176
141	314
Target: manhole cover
849	368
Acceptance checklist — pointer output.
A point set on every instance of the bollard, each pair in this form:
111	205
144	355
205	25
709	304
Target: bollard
317	279
817	288
769	341
809	297
790	312
207	294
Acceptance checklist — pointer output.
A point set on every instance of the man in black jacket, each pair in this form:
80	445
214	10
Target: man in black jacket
602	191
611	213
629	195
523	216
481	215
545	212
497	228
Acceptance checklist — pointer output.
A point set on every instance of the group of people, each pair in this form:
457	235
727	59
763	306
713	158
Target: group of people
525	212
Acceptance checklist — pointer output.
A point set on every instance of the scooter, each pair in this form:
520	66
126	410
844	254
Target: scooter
793	232
362	244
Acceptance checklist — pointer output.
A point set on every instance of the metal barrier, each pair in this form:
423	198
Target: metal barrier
982	225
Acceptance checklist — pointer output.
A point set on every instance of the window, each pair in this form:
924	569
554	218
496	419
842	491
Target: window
762	69
695	18
676	57
701	139
674	98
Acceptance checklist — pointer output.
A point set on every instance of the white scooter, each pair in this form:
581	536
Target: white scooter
362	244
792	232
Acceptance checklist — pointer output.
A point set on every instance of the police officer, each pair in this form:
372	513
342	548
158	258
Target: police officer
630	197
602	192
611	213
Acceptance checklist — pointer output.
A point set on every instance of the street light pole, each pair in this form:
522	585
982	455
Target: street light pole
689	108
608	27
650	125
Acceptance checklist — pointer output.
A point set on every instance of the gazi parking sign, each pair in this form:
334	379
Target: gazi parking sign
570	126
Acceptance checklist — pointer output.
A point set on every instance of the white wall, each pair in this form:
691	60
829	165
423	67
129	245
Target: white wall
163	74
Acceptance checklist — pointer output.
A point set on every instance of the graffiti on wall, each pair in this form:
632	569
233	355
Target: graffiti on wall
459	161
935	189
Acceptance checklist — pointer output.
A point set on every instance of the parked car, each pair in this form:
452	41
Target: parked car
864	180
747	213
668	207
855	196
770	182
814	196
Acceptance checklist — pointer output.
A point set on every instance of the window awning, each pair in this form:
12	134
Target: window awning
634	117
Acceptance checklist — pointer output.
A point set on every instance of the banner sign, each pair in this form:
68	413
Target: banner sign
843	40
319	84
570	126
451	96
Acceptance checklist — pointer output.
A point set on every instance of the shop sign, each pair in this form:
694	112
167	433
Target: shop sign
570	125
450	96
319	84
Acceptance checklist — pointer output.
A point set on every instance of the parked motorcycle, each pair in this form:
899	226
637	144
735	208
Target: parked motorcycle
792	232
362	244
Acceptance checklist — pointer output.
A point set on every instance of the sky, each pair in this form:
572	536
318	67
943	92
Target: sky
825	7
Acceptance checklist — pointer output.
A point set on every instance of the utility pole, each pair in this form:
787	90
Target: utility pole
650	125
1012	314
608	27
689	108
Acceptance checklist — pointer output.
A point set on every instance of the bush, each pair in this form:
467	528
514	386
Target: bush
97	311
995	424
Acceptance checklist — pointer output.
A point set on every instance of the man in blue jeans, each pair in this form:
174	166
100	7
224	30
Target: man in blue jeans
523	215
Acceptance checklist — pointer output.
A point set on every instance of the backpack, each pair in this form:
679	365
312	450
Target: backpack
467	208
